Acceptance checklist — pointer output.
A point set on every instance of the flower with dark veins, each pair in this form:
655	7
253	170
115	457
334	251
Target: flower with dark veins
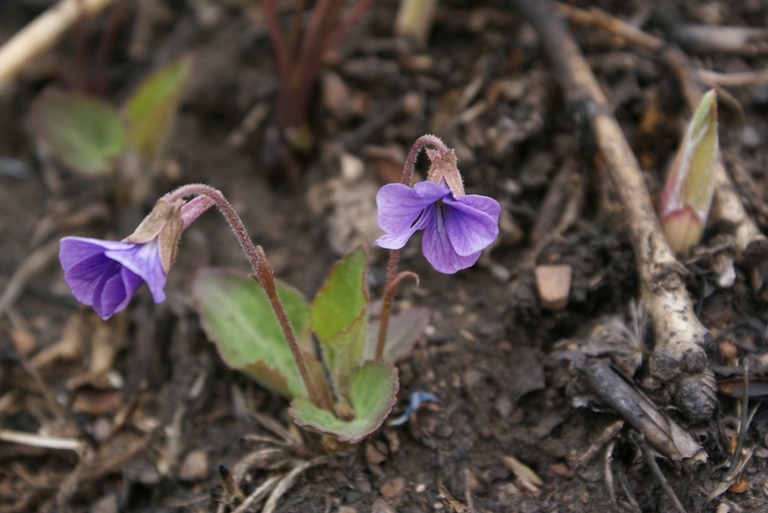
456	227
105	274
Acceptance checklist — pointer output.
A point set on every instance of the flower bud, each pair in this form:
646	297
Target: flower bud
688	192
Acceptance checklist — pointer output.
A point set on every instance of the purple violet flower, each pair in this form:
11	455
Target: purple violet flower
456	228
105	274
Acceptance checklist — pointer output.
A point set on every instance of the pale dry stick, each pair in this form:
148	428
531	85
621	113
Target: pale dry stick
679	358
740	79
42	34
663	433
46	442
597	18
633	35
608	435
650	459
609	474
258	494
29	268
288	480
751	244
627	489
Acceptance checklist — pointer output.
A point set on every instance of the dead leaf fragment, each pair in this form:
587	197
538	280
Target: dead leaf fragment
521	470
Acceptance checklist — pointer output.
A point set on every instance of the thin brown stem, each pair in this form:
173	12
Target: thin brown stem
394	255
267	281
346	24
278	40
386	305
263	274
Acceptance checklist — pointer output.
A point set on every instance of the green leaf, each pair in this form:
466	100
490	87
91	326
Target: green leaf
372	397
237	317
82	132
404	331
339	319
150	111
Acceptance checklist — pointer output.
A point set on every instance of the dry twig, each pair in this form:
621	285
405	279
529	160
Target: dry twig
42	34
663	433
679	358
751	244
650	459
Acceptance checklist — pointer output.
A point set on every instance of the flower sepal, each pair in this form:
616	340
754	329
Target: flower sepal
164	223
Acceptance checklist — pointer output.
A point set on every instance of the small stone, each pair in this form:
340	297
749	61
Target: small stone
728	351
194	467
381	507
560	469
553	283
107	504
347	509
393	489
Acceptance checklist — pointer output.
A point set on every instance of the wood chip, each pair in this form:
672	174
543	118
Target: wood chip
194	467
553	283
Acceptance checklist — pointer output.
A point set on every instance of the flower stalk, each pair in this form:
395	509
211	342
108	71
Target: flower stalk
262	273
390	285
457	227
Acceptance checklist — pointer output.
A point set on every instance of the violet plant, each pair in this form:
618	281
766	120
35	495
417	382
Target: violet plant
265	328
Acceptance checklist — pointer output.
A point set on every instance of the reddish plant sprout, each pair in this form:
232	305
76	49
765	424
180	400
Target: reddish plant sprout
299	56
690	186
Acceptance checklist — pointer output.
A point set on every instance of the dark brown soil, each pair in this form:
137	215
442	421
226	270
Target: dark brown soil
492	355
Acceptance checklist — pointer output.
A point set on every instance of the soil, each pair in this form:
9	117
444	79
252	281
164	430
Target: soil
163	424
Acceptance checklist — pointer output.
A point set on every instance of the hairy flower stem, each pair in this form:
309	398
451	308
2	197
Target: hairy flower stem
390	286
262	273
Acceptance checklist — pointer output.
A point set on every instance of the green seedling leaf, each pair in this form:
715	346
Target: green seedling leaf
688	192
373	394
82	132
151	110
403	332
237	317
339	319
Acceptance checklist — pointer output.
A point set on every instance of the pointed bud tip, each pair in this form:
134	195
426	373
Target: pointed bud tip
683	229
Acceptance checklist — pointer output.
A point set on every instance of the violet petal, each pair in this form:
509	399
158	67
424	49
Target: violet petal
437	247
144	260
400	206
469	230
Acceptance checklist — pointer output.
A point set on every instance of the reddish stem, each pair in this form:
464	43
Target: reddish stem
390	286
278	41
339	32
263	274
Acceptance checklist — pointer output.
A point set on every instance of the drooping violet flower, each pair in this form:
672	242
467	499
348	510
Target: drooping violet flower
456	227
105	274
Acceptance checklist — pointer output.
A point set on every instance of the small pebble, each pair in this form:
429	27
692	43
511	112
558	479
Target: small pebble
553	283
